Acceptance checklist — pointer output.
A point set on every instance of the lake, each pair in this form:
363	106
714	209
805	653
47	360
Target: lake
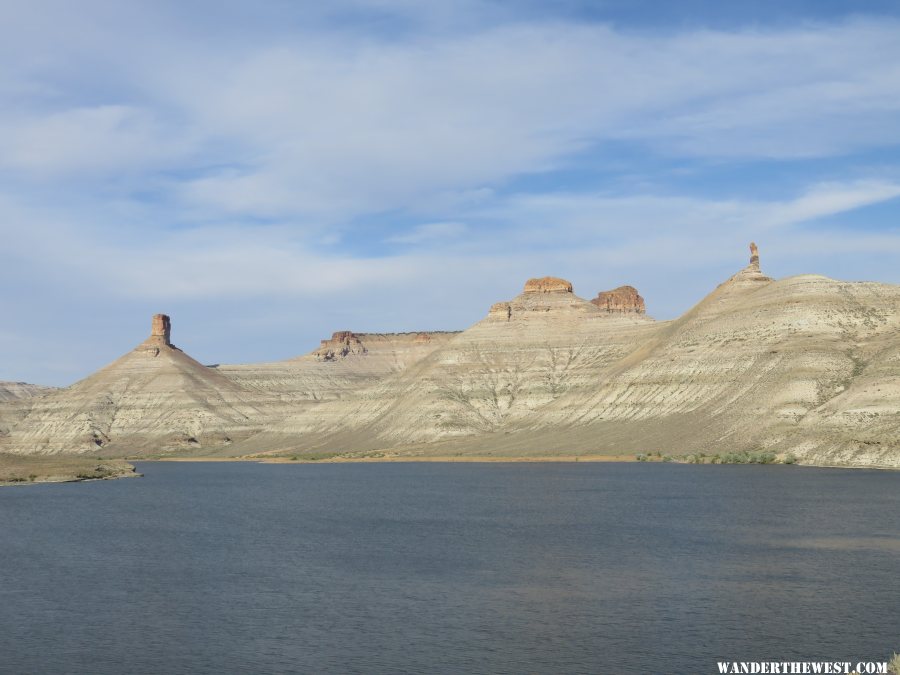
449	568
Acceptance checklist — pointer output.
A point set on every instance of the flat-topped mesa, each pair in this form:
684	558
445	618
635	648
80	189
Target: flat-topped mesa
548	285
342	343
621	300
539	297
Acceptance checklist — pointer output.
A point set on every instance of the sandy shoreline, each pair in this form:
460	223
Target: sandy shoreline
402	458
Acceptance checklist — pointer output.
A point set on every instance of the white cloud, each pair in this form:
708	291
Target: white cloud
245	166
328	124
87	139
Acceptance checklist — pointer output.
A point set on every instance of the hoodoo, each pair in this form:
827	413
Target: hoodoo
750	276
754	255
621	300
161	329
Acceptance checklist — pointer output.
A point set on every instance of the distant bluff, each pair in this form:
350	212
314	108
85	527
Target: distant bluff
804	365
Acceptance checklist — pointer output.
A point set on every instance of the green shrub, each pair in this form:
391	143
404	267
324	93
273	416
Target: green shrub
790	458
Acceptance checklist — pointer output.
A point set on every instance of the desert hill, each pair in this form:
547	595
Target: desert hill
523	355
153	398
804	365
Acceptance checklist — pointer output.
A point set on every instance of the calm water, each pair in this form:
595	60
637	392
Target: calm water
504	568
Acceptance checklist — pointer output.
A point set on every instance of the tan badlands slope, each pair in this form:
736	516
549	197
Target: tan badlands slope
806	364
14	404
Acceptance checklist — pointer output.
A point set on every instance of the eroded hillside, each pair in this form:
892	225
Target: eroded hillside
806	365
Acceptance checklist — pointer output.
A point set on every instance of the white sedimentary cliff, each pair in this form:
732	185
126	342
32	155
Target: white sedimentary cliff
807	365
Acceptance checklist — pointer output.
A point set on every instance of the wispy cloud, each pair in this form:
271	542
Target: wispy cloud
409	163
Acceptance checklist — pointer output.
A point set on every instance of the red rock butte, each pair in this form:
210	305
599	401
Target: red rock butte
621	300
548	285
162	328
342	343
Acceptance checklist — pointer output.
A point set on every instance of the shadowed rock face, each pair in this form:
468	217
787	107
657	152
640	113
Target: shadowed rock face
621	300
548	285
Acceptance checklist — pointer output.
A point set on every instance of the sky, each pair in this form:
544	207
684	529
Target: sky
270	172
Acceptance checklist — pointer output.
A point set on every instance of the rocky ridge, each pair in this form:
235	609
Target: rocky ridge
806	365
10	391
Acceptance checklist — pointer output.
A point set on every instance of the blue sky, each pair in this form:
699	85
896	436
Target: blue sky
268	173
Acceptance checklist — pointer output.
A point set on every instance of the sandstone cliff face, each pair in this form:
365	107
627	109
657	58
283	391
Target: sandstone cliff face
806	364
547	285
342	344
621	300
161	329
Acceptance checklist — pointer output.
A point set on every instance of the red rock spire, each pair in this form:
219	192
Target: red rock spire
162	328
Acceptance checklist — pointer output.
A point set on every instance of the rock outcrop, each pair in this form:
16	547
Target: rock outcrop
548	285
326	374
153	399
806	365
161	329
525	354
342	344
621	300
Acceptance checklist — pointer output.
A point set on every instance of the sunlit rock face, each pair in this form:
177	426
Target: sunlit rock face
807	365
161	328
341	344
621	300
547	285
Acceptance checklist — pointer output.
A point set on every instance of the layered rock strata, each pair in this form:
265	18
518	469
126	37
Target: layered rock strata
807	365
10	391
153	399
621	300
